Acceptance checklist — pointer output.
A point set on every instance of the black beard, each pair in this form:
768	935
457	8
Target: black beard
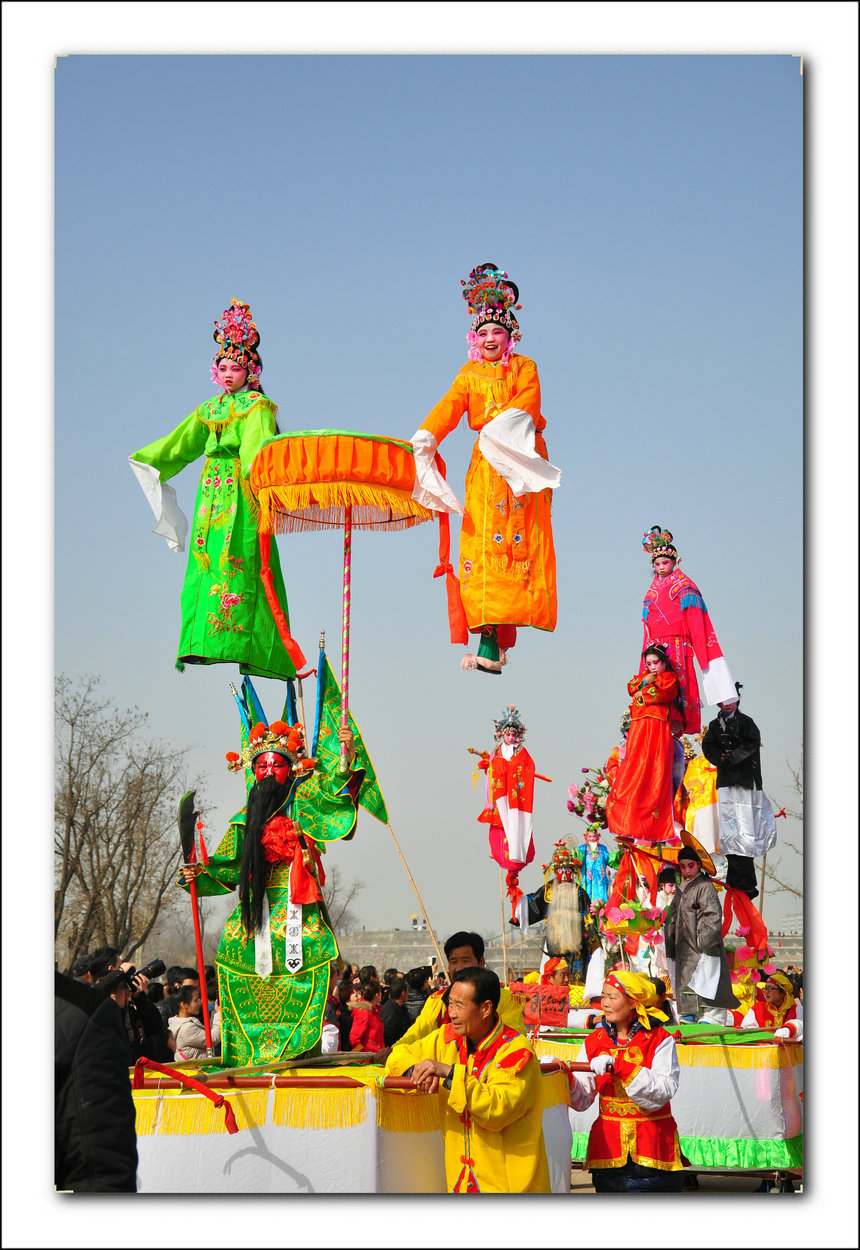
264	799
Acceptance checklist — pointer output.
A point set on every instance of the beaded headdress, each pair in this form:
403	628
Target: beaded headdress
510	719
491	296
564	859
286	740
658	542
238	338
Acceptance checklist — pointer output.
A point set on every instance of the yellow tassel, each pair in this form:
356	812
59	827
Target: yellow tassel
408	1113
758	1057
203	561
301	506
554	1090
145	1108
319	1108
191	1115
250	499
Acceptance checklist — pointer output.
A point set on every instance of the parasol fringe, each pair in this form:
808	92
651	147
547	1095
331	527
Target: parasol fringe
289	509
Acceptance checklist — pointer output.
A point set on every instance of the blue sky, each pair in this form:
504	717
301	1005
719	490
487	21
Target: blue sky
649	208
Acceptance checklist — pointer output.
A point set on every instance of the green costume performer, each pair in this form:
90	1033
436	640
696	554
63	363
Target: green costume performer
273	981
226	617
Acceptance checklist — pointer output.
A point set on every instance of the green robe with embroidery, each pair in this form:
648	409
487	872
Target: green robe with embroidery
264	1020
226	618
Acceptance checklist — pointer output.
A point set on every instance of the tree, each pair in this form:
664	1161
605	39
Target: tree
774	872
116	843
339	898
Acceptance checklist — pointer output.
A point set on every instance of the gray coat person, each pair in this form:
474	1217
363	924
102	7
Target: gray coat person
694	927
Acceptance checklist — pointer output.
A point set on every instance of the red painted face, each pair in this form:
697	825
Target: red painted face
272	764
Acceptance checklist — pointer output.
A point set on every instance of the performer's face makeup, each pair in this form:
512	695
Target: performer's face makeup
230	375
663	566
271	764
509	737
654	664
688	867
492	341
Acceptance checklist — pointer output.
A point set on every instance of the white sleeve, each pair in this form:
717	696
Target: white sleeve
651	1088
330	1039
508	444
749	1021
583	1085
717	682
171	522
430	489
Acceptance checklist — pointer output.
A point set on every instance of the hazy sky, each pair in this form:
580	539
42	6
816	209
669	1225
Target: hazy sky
650	209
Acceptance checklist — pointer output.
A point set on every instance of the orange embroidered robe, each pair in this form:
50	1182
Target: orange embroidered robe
507	557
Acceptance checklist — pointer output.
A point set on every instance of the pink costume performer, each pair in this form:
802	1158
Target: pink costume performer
674	614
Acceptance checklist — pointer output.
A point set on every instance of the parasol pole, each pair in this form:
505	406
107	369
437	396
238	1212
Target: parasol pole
504	943
442	961
343	767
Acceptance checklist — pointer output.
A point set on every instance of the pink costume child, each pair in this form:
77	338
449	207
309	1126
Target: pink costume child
674	615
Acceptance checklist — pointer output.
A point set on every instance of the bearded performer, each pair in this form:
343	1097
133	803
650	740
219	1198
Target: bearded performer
564	905
674	615
226	617
275	952
510	795
507	557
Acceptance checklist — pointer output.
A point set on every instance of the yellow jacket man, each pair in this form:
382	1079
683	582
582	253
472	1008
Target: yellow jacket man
488	1078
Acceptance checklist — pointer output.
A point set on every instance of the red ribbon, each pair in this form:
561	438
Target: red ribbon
190	1083
292	648
748	917
456	615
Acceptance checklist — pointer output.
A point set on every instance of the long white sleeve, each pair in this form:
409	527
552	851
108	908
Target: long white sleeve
651	1088
430	489
171	522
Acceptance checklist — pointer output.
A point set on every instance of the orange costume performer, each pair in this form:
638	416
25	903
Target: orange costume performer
640	801
507	557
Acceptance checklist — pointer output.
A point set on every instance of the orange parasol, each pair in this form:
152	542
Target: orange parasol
332	479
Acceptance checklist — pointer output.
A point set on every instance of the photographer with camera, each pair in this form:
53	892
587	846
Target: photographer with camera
145	1033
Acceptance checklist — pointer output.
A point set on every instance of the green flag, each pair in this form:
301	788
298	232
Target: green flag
326	747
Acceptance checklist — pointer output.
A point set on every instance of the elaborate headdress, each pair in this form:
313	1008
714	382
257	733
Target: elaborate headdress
510	719
564	859
658	542
286	740
238	338
491	296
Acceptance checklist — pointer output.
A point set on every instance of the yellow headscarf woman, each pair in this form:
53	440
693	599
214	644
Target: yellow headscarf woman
778	1011
641	992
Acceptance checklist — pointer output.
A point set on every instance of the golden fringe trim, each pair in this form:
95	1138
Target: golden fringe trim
250	498
319	1108
215	427
192	1115
554	1090
404	1112
758	1057
320	505
203	561
496	390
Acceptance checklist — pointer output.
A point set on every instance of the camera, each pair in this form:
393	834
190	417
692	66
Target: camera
154	968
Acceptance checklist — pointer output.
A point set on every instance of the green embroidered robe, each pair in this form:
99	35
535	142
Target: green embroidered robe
225	614
264	1020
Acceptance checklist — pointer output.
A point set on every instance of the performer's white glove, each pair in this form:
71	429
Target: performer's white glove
600	1064
782	1032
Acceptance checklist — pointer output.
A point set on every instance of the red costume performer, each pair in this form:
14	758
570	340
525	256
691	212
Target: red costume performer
640	801
510	796
674	615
